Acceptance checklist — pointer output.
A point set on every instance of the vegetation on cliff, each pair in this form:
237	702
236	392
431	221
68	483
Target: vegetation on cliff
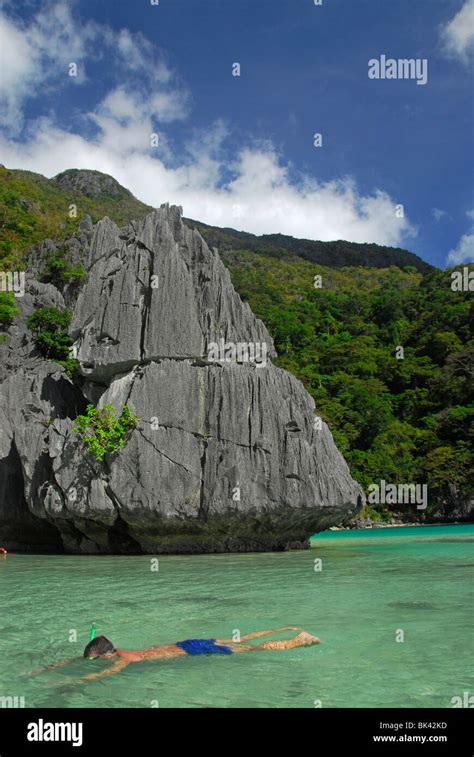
49	326
102	432
8	308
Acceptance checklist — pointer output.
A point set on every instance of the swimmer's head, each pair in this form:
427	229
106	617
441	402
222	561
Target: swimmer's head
99	647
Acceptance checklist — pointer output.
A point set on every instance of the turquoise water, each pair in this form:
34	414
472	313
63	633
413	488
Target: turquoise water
372	582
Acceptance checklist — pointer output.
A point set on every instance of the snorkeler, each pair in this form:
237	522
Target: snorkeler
102	648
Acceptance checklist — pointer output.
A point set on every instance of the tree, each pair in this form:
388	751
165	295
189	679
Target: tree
8	308
50	330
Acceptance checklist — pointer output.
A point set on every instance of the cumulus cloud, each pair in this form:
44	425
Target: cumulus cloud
464	250
17	71
261	198
37	56
251	187
458	34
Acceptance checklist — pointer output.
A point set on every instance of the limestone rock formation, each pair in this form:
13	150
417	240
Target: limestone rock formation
228	454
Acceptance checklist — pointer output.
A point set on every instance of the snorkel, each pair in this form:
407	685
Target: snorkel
91	636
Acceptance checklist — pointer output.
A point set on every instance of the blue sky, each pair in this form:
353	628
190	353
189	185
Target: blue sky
239	150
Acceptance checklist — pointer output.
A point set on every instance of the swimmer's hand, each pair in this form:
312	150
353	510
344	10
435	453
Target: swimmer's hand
53	666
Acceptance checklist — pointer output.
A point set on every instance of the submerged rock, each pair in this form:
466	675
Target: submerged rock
228	454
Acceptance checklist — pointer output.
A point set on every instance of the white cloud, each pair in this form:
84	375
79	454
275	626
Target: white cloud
464	250
251	188
458	34
16	64
126	119
439	214
261	198
37	56
56	36
17	70
138	53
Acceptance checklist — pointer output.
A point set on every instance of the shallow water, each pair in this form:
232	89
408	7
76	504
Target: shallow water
372	582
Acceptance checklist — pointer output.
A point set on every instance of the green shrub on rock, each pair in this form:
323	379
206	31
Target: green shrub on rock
8	308
102	432
50	330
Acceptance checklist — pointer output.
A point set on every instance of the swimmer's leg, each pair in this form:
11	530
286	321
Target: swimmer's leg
258	634
303	639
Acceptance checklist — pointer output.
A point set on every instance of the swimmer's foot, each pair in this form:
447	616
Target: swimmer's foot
305	639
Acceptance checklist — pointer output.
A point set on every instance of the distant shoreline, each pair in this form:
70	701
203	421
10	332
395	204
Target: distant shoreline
374	525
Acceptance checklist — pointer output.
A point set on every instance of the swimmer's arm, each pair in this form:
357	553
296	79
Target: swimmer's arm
116	668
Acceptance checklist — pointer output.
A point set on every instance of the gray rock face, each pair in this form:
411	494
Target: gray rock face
155	291
228	455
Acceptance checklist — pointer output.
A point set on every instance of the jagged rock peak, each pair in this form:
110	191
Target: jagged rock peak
155	290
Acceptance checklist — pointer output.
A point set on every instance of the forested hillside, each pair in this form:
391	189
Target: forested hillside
337	254
402	419
33	208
